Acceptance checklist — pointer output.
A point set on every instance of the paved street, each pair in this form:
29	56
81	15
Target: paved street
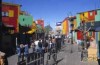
64	57
73	58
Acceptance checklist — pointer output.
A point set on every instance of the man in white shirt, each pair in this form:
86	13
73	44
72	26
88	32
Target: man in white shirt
36	45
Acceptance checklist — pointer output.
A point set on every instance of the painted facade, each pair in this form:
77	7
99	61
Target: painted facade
40	22
25	20
65	27
74	28
97	17
88	16
10	13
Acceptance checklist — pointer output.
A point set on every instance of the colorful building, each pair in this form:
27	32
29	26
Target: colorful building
40	22
88	16
97	34
58	28
25	20
65	27
97	17
10	13
92	19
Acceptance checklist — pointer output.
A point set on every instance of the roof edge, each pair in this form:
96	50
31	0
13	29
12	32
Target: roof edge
11	4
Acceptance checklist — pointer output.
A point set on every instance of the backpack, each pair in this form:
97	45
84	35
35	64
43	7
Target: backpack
45	44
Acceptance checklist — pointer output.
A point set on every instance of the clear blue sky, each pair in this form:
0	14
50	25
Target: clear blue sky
52	11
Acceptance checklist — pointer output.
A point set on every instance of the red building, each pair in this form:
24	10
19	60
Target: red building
40	22
10	13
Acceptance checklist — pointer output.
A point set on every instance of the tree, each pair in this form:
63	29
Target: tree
47	29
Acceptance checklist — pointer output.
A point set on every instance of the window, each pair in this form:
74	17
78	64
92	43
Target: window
83	14
23	19
91	13
92	23
4	13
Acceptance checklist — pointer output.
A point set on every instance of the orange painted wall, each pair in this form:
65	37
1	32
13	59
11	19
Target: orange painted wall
91	15
65	27
75	24
84	16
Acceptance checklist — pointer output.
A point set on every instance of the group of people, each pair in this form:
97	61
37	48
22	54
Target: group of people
22	51
40	45
43	46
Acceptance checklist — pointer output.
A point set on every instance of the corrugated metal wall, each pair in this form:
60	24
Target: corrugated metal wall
78	19
11	17
97	17
25	20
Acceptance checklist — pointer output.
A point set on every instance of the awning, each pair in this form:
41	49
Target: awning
7	26
31	31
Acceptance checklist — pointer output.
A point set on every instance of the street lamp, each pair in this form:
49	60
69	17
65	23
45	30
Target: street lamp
71	19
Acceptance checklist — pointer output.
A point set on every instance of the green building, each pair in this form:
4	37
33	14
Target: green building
97	17
25	20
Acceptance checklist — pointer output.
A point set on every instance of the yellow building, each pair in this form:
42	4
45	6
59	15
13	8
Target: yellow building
84	16
65	27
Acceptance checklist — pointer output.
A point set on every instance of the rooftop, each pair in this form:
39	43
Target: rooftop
88	11
12	4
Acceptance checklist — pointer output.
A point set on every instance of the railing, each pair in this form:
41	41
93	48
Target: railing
34	58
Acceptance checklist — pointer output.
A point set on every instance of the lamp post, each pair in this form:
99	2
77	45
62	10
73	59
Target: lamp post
71	25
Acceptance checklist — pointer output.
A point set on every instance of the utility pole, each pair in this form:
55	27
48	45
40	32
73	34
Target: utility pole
71	19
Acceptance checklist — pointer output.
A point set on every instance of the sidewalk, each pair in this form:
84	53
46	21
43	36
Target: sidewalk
74	58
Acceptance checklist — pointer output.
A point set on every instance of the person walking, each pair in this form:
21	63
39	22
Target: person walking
40	45
22	51
26	50
32	47
49	49
46	45
18	52
36	45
